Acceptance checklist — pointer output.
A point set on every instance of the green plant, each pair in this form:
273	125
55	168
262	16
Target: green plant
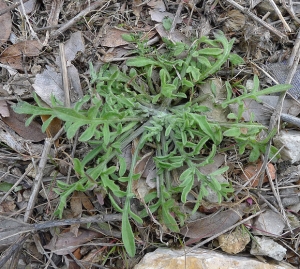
133	104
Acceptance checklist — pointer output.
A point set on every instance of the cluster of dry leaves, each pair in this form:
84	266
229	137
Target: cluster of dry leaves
45	48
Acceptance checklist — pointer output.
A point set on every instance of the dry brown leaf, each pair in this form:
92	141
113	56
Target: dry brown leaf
67	242
5	22
53	128
77	254
253	169
78	200
137	8
75	204
94	257
213	224
142	163
113	38
8	206
12	56
86	202
17	122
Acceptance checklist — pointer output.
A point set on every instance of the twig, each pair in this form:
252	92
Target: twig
224	231
177	15
287	27
254	17
14	186
57	223
11	250
290	10
38	180
33	33
11	7
83	13
64	71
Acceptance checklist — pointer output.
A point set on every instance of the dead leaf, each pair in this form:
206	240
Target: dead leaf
67	242
49	83
77	254
137	8
113	38
73	46
53	128
252	170
157	4
142	163
78	200
76	205
17	122
213	224
14	53
4	109
158	16
5	22
8	206
176	36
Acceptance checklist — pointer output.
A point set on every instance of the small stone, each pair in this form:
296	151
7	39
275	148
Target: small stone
268	223
163	258
290	143
234	242
267	247
289	197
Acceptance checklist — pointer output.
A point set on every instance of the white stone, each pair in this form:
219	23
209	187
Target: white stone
164	258
267	247
268	223
290	141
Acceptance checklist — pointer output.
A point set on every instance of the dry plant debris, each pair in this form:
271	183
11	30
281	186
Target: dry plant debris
54	51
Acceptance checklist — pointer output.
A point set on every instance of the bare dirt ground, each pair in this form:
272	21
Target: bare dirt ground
48	47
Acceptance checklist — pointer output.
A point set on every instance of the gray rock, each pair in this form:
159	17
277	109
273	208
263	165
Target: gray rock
290	141
268	223
163	258
289	197
267	247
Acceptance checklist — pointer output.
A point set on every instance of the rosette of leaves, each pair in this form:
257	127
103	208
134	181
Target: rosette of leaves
130	104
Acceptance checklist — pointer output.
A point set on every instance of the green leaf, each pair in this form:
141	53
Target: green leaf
128	37
5	187
122	168
167	23
168	219
141	61
78	167
220	171
235	59
233	132
106	134
136	217
127	236
194	71
210	51
88	133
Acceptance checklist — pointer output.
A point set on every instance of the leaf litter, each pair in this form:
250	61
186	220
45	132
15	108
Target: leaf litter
97	38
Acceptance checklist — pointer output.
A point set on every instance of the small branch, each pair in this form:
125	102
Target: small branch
78	17
254	17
